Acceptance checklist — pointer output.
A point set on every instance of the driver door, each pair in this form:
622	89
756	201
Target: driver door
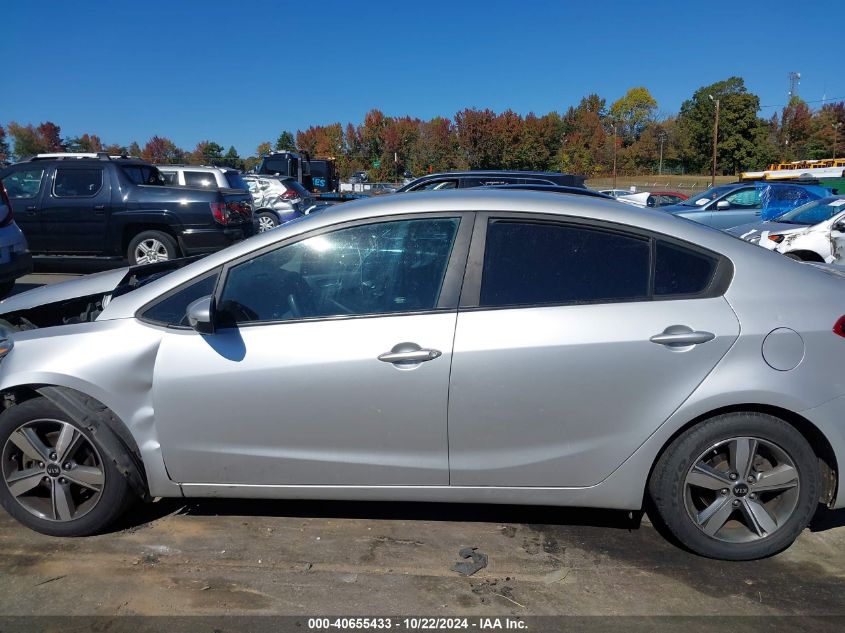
329	366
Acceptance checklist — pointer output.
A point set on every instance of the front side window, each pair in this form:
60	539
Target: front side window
24	184
172	310
380	268
77	183
744	199
199	179
535	264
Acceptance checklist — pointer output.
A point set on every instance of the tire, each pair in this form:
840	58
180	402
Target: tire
267	221
92	493
727	523
151	246
5	288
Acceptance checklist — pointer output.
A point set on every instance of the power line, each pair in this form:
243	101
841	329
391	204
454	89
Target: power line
783	105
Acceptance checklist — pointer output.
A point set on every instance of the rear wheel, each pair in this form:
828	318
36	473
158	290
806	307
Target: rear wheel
267	221
149	247
56	477
738	487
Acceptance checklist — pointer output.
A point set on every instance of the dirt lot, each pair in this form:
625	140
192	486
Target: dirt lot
244	557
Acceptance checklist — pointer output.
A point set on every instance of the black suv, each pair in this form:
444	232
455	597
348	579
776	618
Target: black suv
104	206
479	178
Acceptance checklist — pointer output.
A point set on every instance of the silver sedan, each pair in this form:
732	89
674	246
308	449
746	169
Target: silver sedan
494	346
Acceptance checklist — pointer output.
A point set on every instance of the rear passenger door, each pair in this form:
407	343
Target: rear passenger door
76	209
563	362
24	184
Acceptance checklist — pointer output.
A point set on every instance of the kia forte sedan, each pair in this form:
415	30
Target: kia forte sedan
494	346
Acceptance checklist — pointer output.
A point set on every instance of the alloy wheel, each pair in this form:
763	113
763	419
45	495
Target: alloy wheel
151	250
265	223
741	490
52	470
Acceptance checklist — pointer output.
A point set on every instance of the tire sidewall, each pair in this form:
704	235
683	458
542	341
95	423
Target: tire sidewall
114	497
271	215
667	483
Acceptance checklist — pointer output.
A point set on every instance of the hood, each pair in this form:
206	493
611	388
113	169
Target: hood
751	232
94	284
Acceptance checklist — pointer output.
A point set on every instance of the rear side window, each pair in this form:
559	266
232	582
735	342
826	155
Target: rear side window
23	184
146	175
172	310
681	271
77	183
235	180
200	179
536	263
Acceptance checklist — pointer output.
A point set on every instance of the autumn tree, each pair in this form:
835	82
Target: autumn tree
477	143
634	112
585	142
161	150
5	154
85	143
29	140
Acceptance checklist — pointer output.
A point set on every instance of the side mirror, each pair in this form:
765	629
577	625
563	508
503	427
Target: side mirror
201	315
722	205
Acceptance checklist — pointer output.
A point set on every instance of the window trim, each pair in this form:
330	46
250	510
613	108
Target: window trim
140	313
450	289
93	195
471	291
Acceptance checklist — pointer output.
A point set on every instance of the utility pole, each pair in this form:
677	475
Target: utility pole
715	140
662	138
835	130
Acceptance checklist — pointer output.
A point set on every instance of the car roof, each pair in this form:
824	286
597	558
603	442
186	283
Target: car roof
577	191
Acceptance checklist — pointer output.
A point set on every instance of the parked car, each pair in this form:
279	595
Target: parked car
577	191
95	205
814	232
203	176
481	178
615	193
653	198
726	206
277	200
569	377
359	177
15	258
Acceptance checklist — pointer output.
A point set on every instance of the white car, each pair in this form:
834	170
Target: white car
814	232
651	198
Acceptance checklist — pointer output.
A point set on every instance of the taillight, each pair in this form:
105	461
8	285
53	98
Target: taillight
290	194
7	218
220	212
777	239
839	327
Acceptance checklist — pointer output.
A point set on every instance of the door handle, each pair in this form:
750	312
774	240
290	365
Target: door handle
99	207
407	353
30	210
681	336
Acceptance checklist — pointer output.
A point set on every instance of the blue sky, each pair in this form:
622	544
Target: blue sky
240	72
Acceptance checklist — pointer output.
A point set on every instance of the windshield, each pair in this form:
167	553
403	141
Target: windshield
706	196
814	212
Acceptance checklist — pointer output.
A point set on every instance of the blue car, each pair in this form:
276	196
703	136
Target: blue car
726	206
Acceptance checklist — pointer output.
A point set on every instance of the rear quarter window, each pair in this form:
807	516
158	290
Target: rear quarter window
681	271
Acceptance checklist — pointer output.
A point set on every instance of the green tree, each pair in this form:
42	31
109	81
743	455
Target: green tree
739	127
231	158
285	142
27	140
634	112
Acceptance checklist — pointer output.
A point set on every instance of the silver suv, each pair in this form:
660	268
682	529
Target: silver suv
278	199
203	176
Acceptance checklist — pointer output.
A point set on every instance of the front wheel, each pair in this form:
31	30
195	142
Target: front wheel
740	486
57	479
149	247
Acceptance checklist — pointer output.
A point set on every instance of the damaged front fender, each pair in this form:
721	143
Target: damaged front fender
114	439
